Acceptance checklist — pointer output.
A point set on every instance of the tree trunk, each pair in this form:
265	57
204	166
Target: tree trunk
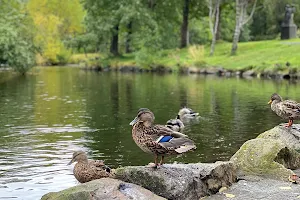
214	9
114	41
240	21
235	40
128	37
185	21
237	30
218	33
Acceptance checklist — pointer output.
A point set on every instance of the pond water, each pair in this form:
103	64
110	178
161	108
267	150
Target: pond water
52	112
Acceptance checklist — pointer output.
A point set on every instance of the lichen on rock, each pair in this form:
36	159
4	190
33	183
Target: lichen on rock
266	157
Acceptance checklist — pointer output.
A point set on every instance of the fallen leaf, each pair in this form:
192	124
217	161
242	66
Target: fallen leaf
229	195
222	189
285	188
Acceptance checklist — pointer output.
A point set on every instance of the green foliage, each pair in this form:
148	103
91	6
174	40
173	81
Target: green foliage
55	21
16	36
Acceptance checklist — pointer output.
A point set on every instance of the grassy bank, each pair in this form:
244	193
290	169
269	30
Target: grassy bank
261	55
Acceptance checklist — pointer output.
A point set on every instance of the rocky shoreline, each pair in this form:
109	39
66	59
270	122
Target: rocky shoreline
263	168
219	71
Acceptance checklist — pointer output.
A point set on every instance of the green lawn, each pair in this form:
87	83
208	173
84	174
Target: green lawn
259	55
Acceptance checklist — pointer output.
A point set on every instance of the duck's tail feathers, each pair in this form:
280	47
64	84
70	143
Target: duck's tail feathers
185	148
178	134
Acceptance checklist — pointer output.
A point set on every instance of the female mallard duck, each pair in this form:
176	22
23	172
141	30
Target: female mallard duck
158	139
187	115
287	109
87	170
175	125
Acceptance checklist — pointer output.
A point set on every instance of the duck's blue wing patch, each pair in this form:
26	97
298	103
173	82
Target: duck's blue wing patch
166	138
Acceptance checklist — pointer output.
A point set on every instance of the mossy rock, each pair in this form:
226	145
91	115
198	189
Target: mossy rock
266	157
289	136
105	188
181	181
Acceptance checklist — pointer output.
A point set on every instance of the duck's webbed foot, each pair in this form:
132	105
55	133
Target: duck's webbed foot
155	164
290	123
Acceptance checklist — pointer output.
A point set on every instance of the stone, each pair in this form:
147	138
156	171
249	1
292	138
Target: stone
105	188
194	70
269	158
181	181
289	136
266	189
248	73
288	27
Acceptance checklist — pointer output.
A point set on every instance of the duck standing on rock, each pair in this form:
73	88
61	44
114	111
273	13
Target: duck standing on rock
187	115
87	170
287	109
158	139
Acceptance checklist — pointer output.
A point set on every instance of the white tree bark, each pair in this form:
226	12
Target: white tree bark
240	20
214	8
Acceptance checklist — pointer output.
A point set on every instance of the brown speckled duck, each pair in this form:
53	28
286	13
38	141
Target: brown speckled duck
158	139
287	109
87	170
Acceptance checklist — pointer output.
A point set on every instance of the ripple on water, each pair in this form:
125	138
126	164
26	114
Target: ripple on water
42	162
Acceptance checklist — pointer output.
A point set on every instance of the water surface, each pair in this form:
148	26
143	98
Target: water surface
52	112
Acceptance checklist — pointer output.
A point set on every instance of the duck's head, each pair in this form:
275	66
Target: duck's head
78	156
144	116
186	111
275	97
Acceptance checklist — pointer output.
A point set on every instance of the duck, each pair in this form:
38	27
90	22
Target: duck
187	115
87	170
286	109
156	139
175	125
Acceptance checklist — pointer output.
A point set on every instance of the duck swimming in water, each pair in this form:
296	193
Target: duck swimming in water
158	139
87	170
286	109
175	125
187	115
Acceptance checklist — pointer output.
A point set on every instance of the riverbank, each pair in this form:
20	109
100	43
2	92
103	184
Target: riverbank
270	59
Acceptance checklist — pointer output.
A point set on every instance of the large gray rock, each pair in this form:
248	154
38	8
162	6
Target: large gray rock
266	189
268	158
105	188
181	181
289	136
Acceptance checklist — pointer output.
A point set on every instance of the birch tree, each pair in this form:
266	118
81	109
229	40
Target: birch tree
214	9
241	18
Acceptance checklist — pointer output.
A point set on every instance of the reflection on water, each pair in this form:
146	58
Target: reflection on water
52	112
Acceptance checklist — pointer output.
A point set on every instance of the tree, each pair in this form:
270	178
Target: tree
17	49
56	21
214	8
240	20
185	23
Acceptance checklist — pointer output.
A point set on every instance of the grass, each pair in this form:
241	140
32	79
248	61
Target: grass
260	55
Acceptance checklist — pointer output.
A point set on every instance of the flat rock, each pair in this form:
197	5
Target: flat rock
105	188
248	73
266	189
289	136
269	158
181	181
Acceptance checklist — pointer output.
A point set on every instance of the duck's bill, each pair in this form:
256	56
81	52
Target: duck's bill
133	121
270	102
70	162
195	114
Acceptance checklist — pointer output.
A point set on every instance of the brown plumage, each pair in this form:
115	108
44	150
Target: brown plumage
87	170
287	109
158	139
